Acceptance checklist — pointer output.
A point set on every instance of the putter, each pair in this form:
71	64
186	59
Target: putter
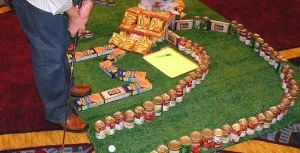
69	88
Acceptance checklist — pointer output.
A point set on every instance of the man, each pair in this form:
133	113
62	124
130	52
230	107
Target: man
49	26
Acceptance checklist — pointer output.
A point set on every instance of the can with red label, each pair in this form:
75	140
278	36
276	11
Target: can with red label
166	101
294	94
282	109
286	79
129	119
100	129
236	132
252	124
263	49
275	112
285	67
110	125
181	44
182	83
207	135
258	44
248	38
217	138
199	73
188	81
204	71
194	48
269	117
197	140
239	27
158	103
260	121
149	111
193	75
179	93
120	120
139	115
226	133
287	104
173	96
273	57
268	53
292	84
253	39
243	35
244	126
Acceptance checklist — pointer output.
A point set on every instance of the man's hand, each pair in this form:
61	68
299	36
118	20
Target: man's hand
76	23
85	10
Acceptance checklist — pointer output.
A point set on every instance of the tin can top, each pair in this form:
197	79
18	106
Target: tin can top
218	132
253	120
255	35
183	39
196	136
260	40
294	93
157	100
226	127
260	116
233	22
172	93
129	114
148	105
207	133
174	145
187	79
193	75
185	140
269	115
165	96
178	88
118	115
109	120
162	149
275	110
139	110
243	122
206	18
236	127
99	124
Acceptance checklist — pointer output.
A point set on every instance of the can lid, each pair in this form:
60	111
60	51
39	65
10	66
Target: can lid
109	120
118	115
260	116
148	105
139	110
196	136
255	35
226	127
187	79
294	93
207	133
182	82
129	113
269	115
282	59
285	101
270	49
294	87
178	88
290	71
99	124
292	82
172	93
162	149
260	40
240	26
153	151
183	39
195	45
218	132
275	110
233	22
197	17
236	127
288	96
193	75
243	122
165	96
265	44
289	76
174	145
244	30
157	100
253	120
206	18
185	140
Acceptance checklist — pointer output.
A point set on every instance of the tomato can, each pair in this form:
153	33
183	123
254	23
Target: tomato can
166	101
275	110
292	84
139	115
120	120
248	38
273	57
162	149
226	133
258	44
287	104
263	49
252	125
174	146
188	47
194	48
243	35
193	75
179	93
207	134
158	103
197	140
253	39
173	96
100	129
129	119
188	81
294	94
149	111
236	132
260	121
244	126
185	142
183	85
268	53
284	69
239	27
269	118
217	138
199	73
110	125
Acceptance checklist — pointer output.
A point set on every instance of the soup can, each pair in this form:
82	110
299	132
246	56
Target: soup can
288	96
149	111
120	120
275	112
183	85
236	132
252	124
232	27
166	101
194	48
263	49
100	129
173	96
248	38
204	69
292	84
217	138
206	23
239	27
268	53
193	75
260	121
286	79
243	35
294	94
282	63
139	115
174	146
207	135
269	117
188	47
110	125
158	103
244	126
226	133
287	104
185	142
162	149
179	93
199	72
284	69
258	44
129	119
197	140
282	109
197	22
253	39
181	44
188	81
273	58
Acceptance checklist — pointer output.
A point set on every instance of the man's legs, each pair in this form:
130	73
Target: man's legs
49	39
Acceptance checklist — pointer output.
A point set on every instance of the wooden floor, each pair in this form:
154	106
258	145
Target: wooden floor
290	53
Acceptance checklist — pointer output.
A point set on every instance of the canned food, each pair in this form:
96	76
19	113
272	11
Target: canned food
268	53
206	23
110	125
183	85
282	109
243	34
273	58
197	22
193	75
287	104
120	120
179	93
188	47
263	49
236	132
226	133
194	48
205	70
260	121
197	142
232	28
252	124
153	151
207	134
284	69
174	146
100	129
269	117
188	81
217	138
185	142
149	111
292	84
182	42
281	62
162	149
173	96
275	112
294	94
253	39
158	103
129	119
258	44
239	27
286	79
248	38
244	126
166	101
199	73
139	115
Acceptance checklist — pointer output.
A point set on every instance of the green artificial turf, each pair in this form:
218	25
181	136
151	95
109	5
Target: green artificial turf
239	85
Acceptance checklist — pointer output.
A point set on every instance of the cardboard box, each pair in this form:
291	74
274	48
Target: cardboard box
138	87
114	94
184	24
172	37
132	76
116	55
107	49
110	69
219	26
86	54
88	102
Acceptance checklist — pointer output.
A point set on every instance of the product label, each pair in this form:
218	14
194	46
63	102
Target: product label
157	110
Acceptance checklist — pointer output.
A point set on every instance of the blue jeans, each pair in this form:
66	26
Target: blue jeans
49	40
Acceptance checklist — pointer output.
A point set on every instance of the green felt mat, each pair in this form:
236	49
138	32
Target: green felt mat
239	85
